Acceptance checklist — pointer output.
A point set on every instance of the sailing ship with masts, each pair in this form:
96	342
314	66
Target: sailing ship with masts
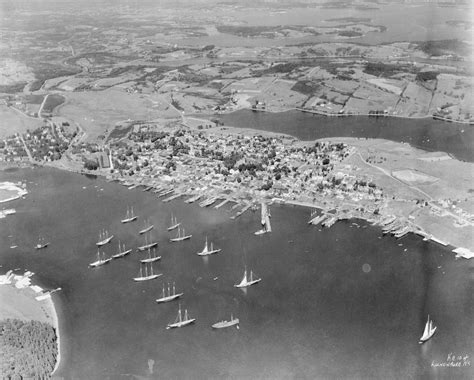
151	257
181	321
104	238
174	223
169	295
206	251
122	251
144	275
428	332
148	227
181	235
147	244
101	260
41	243
223	324
130	217
248	280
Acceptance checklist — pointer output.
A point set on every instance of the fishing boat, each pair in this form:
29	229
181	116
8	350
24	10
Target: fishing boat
147	244
130	217
101	260
104	238
181	236
428	332
206	251
148	227
146	276
174	224
180	321
122	251
41	243
223	324
247	281
170	295
151	258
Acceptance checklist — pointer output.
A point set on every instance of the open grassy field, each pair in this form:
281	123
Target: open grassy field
407	175
98	112
52	102
13	121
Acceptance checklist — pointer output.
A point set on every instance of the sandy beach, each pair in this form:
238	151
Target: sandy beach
10	191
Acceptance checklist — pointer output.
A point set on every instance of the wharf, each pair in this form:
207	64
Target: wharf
318	219
174	196
165	192
207	202
266	217
235	206
329	222
222	203
439	241
193	199
246	207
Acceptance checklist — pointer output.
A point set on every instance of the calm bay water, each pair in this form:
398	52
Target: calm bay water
427	134
316	313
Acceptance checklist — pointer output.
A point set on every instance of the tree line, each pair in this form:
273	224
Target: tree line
28	349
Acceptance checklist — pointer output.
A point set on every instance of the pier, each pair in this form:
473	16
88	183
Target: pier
318	219
266	217
208	202
165	192
174	196
222	203
246	207
193	199
235	206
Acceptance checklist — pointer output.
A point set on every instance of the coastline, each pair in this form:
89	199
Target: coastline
58	335
7	188
18	300
347	115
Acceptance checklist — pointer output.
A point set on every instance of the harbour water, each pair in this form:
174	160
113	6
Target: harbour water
343	302
427	134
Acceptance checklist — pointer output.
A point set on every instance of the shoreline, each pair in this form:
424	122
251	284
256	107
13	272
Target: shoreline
11	187
238	131
19	301
345	115
58	337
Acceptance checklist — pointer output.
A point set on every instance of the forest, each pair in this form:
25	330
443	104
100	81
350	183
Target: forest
28	349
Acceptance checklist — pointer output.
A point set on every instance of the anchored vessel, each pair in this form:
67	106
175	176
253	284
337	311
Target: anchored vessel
122	251
147	245
206	251
428	332
180	321
130	216
151	258
41	243
148	227
146	276
223	324
101	260
247	281
104	238
174	224
181	236
170	295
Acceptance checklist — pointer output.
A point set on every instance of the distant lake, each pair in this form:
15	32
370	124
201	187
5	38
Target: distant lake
344	302
427	134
